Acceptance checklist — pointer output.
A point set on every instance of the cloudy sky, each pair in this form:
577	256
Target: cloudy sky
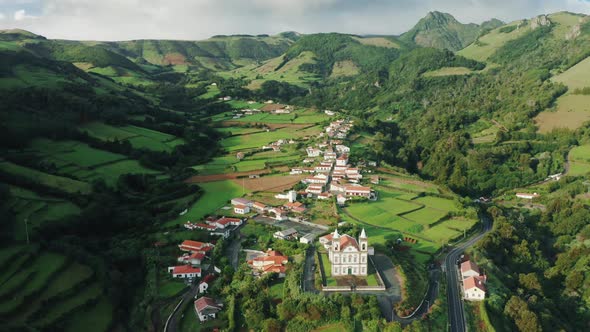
199	19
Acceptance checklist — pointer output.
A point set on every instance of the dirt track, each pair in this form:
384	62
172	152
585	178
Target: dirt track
229	176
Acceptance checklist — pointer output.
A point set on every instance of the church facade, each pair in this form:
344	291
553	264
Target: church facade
348	255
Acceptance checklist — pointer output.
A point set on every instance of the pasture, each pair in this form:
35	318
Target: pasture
576	77
77	159
579	159
45	179
138	137
269	70
448	71
344	68
257	140
487	44
215	195
572	111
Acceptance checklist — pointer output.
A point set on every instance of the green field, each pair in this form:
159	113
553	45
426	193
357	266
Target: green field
77	159
572	111
37	210
140	138
344	68
426	215
576	77
212	92
289	72
487	44
257	140
579	159
96	318
448	71
49	180
229	163
242	104
216	194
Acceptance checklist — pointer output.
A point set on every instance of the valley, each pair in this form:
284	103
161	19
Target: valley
185	185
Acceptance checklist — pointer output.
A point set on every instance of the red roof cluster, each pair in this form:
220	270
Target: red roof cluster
183	269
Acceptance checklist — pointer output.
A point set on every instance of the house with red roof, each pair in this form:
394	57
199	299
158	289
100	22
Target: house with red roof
206	282
206	308
224	222
192	259
260	207
296	207
195	246
241	209
361	191
184	271
474	288
272	261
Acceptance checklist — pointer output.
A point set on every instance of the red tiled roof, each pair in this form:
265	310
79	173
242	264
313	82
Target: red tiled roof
357	188
328	237
225	220
274	253
197	255
240	206
193	245
182	269
472	282
347	240
204	302
469	266
208	278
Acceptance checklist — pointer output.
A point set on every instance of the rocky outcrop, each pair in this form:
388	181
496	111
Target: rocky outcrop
540	21
576	29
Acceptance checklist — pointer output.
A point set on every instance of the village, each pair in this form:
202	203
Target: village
344	263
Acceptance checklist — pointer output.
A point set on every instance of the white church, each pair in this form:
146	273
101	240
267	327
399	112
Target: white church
347	255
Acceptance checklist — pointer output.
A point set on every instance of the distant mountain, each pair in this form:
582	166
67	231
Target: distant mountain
443	31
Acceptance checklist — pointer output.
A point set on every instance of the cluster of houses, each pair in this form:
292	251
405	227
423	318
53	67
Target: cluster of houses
191	267
339	129
222	226
271	261
474	288
194	254
243	206
276	146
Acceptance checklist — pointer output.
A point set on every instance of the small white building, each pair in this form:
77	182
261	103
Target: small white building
313	152
286	234
340	200
307	238
291	196
241	201
315	189
184	271
342	148
241	209
342	160
205	283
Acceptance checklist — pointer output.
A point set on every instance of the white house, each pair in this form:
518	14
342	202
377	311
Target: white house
349	256
340	200
241	201
291	196
342	160
260	207
315	189
184	271
361	191
313	152
307	238
224	222
206	308
474	289
241	209
286	234
192	259
330	156
342	148
205	283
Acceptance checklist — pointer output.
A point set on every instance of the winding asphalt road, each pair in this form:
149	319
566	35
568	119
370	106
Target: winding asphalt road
455	302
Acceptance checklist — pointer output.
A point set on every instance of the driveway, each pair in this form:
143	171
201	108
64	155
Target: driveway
309	271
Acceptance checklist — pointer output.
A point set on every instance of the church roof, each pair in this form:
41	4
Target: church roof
347	240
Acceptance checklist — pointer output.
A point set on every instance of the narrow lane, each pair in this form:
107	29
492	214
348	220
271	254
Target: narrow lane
454	299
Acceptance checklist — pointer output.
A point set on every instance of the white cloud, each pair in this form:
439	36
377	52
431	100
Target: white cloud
190	19
21	15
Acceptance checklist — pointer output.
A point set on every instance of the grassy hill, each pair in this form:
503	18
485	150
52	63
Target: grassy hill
442	30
